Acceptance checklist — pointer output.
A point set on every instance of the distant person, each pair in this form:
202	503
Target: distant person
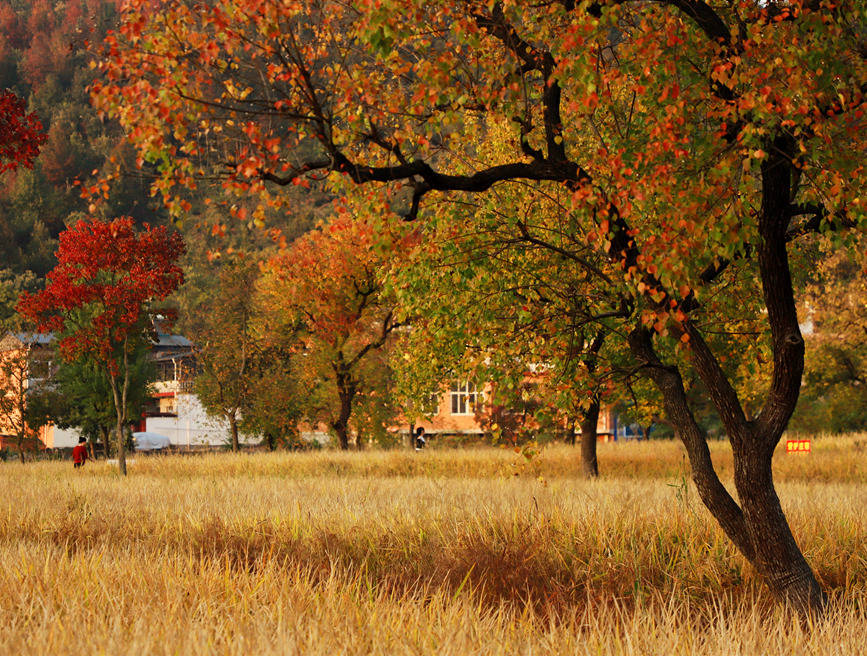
79	453
420	441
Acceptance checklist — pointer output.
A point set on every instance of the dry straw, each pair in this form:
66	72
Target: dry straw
449	552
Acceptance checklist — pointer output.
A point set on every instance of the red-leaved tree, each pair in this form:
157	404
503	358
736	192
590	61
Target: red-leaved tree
98	296
20	133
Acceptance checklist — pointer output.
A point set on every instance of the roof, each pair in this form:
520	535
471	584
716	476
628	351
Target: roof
166	340
12	341
34	338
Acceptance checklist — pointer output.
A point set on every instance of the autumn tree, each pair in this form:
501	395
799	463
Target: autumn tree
834	397
16	371
467	288
229	353
325	293
79	395
722	135
20	133
99	296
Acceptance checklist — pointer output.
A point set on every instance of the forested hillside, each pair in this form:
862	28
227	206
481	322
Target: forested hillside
44	60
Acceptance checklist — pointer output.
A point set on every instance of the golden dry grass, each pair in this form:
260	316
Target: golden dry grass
444	552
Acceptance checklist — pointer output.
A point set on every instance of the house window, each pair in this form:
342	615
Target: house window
431	405
464	397
165	370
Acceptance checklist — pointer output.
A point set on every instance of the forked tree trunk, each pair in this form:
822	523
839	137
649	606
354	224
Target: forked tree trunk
756	523
757	526
589	422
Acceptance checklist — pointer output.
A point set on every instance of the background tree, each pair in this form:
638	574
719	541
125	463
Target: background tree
16	372
79	395
229	353
325	293
723	135
835	309
99	295
44	61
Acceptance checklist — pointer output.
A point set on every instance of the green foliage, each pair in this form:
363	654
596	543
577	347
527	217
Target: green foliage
79	395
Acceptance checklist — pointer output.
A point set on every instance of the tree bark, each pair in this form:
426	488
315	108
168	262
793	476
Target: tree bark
776	555
121	445
341	424
106	446
346	388
233	427
120	396
589	422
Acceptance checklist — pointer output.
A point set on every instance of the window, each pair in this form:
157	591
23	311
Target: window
464	398
165	370
431	405
40	368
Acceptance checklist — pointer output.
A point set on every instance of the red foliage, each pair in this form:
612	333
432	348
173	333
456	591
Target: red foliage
20	133
106	276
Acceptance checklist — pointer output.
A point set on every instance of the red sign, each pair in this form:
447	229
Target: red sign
797	446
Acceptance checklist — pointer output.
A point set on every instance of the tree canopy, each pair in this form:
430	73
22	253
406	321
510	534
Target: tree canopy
690	143
99	297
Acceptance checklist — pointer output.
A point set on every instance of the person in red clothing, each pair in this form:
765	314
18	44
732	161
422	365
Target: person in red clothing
79	453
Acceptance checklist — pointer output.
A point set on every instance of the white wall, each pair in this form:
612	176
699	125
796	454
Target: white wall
59	438
193	426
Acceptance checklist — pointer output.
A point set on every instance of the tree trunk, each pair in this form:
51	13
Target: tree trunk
233	427
346	393
757	526
120	396
776	556
121	445
106	446
21	451
589	422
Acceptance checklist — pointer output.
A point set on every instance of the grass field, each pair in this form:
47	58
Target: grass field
441	552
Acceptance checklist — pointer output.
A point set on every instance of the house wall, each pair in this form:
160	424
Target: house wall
192	426
444	421
58	438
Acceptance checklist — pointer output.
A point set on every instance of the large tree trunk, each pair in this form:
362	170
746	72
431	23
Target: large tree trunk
776	555
757	526
589	422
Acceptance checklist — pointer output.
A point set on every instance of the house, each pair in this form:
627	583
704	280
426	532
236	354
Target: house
453	412
36	355
172	410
